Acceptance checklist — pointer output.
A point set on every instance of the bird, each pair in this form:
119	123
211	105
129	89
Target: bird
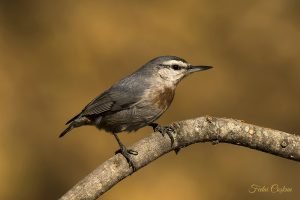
136	101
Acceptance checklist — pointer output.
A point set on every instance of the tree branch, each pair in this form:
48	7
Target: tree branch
203	129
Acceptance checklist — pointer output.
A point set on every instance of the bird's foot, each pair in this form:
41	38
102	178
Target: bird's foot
127	154
164	130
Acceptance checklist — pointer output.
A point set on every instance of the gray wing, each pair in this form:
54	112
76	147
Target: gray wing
112	100
99	105
122	95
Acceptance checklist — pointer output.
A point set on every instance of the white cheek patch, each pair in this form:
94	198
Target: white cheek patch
170	76
164	73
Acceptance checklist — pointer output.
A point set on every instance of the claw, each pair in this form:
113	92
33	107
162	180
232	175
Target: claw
130	151
126	153
133	152
164	130
177	150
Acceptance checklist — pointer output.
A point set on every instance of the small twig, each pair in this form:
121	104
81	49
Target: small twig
203	129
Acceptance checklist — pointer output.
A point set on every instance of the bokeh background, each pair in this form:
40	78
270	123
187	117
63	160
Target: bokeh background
55	56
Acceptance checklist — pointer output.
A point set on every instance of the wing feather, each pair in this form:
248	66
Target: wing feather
99	105
121	96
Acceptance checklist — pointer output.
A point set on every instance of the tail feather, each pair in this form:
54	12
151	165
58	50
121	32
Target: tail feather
75	122
70	127
68	122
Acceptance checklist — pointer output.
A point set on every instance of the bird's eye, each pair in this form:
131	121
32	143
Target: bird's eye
176	67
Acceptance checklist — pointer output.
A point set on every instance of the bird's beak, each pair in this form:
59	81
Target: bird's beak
192	68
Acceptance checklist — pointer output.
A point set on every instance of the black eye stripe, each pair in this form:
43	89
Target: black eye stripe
176	67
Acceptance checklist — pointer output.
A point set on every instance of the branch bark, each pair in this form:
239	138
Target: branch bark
202	129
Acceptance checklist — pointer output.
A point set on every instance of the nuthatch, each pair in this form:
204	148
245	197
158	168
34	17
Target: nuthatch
136	101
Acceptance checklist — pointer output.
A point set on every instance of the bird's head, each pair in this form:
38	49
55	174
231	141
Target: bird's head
172	69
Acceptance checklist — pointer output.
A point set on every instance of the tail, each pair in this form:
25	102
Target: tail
71	120
70	127
75	122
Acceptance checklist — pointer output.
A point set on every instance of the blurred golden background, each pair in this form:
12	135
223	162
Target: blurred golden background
55	56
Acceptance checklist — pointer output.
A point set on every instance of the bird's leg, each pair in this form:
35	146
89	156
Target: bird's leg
126	152
164	129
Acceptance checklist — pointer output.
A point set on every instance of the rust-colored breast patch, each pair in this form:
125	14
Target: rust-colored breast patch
163	98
